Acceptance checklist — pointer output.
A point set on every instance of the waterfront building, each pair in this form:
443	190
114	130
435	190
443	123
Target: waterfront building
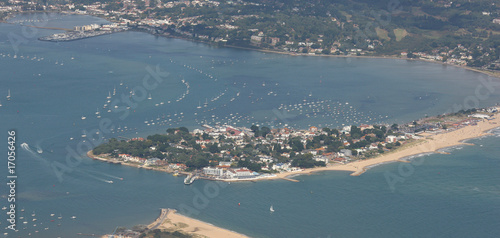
391	139
213	171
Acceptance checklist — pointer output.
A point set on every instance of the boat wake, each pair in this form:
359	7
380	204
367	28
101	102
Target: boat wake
100	179
33	153
104	174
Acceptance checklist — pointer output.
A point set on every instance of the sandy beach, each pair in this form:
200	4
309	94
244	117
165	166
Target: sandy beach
430	144
175	221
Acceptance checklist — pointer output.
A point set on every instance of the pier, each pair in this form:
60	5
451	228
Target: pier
291	180
78	35
161	218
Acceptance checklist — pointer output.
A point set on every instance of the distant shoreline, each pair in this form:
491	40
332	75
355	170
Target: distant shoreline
487	72
264	50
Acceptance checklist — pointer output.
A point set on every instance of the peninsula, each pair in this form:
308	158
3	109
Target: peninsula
453	130
229	153
176	225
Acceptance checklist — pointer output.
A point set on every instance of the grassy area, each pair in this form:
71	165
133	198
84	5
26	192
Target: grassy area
382	34
431	34
400	33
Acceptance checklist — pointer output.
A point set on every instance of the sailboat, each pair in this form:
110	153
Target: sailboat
150	97
109	95
271	208
114	91
8	96
206	102
0	103
199	105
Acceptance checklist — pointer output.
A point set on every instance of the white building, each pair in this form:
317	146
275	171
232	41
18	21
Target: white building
391	139
481	116
321	158
225	163
281	166
243	172
267	159
213	171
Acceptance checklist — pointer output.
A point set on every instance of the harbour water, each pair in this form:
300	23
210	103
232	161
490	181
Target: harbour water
55	85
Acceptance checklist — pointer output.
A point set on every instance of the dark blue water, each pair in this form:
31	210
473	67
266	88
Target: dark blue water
453	195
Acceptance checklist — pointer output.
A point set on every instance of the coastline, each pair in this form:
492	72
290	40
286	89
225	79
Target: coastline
91	155
171	221
265	50
174	221
430	145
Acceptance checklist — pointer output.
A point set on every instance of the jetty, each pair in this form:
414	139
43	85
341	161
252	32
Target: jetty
190	179
160	219
290	179
78	35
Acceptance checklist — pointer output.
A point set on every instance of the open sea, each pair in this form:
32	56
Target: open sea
139	84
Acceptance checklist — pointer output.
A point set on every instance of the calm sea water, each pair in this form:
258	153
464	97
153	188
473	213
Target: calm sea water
54	85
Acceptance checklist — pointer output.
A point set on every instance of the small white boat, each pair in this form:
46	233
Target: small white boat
271	208
83	117
109	95
73	217
149	98
8	96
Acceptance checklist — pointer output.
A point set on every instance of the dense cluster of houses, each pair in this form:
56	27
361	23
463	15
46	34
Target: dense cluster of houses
224	163
460	55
